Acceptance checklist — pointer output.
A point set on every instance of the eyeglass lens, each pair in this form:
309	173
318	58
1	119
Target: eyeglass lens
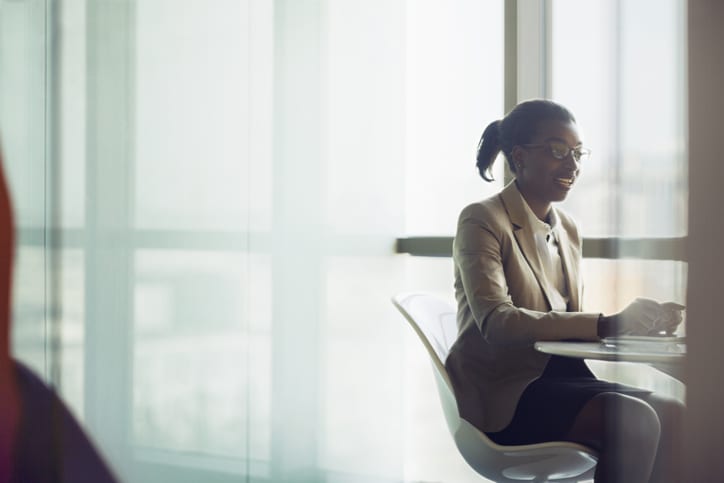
561	151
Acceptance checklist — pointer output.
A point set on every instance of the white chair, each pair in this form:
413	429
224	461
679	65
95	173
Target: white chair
434	321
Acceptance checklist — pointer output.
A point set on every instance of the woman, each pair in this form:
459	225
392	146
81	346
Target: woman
517	281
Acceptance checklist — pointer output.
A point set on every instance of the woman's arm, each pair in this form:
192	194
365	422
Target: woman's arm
479	252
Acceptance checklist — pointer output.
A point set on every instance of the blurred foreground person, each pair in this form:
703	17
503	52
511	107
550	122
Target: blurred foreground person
40	440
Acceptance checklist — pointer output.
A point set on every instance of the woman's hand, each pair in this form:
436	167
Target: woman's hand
642	317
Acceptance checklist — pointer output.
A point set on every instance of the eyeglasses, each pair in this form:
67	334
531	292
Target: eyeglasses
561	150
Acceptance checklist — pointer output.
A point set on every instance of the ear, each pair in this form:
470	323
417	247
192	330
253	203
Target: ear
519	156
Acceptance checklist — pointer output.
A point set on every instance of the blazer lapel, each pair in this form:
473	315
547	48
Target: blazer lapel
513	201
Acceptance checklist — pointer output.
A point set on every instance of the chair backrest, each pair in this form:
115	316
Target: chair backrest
434	321
433	317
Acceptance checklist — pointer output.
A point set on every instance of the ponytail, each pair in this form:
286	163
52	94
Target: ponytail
488	149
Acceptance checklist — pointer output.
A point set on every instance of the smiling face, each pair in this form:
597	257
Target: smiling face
541	177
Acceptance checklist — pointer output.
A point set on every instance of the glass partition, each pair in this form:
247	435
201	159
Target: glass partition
208	199
620	67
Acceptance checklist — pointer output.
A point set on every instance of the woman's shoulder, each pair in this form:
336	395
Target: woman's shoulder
487	211
567	221
569	225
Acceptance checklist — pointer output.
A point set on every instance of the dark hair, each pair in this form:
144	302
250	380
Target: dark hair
516	128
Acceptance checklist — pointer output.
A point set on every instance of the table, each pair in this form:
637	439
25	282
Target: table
668	357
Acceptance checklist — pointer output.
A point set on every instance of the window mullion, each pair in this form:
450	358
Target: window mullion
533	49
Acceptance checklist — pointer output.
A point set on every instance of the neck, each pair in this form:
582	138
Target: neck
541	209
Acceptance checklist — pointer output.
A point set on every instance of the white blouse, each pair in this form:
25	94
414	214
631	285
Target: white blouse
546	240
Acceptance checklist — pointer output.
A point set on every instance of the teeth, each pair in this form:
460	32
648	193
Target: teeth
568	181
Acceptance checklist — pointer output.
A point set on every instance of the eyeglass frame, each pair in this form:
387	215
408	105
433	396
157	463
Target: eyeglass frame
583	153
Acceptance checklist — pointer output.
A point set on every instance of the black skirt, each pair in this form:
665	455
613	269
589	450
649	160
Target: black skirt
549	405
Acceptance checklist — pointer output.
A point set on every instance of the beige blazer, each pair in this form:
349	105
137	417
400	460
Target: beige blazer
504	306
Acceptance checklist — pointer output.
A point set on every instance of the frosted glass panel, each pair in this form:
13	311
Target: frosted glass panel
611	284
190	352
192	128
584	80
226	181
366	65
454	89
23	134
72	107
259	389
620	66
71	286
430	452
29	306
362	397
653	178
32	296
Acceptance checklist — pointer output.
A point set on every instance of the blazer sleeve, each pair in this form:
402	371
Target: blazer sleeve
479	257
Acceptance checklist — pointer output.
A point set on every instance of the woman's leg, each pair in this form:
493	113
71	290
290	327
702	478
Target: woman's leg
668	464
625	432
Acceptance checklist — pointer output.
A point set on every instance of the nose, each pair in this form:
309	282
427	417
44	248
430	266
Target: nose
572	161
